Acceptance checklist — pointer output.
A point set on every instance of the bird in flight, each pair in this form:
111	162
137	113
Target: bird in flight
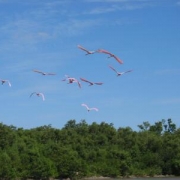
110	55
38	94
91	83
119	73
5	81
43	73
72	80
89	109
87	51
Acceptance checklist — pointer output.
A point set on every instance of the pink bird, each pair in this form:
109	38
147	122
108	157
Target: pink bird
119	73
87	51
91	83
39	95
5	81
110	55
89	109
43	73
72	80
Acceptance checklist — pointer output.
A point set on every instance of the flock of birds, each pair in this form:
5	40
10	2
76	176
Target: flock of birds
74	80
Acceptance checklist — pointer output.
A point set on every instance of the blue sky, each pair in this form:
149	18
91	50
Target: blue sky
44	35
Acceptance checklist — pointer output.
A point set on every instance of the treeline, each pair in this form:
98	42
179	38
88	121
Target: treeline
81	150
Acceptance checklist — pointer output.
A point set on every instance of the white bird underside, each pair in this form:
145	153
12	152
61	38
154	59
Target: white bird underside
89	109
38	94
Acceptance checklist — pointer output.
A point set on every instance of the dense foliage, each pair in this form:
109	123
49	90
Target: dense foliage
81	150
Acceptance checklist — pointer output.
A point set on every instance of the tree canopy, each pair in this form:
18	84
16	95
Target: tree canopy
82	150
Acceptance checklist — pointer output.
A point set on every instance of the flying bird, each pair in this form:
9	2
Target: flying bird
5	81
43	73
119	73
38	94
87	51
110	55
72	80
91	83
89	109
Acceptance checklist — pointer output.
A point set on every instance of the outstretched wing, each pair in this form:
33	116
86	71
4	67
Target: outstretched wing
96	109
32	94
117	59
79	84
42	95
113	69
43	73
8	83
104	51
98	83
35	70
111	55
66	77
50	74
87	51
85	106
128	71
82	48
85	80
